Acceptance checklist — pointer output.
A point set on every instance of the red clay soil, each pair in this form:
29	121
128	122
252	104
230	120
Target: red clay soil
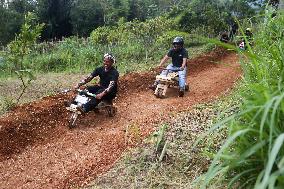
38	150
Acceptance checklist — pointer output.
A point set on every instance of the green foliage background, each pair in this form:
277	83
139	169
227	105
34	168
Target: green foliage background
135	44
65	18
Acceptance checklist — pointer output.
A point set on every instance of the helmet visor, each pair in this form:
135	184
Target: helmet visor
177	45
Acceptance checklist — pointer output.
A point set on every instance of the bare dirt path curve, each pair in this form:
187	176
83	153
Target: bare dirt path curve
37	150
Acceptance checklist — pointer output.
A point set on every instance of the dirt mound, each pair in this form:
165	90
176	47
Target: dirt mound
37	150
31	123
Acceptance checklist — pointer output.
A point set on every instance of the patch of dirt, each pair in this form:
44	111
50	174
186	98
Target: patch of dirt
37	150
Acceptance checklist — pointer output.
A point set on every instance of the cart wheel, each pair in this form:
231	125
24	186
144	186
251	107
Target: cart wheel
111	111
160	93
73	119
186	87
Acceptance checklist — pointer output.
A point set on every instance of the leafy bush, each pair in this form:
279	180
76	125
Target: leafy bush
100	35
166	39
132	43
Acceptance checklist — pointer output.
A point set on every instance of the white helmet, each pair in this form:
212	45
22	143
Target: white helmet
110	57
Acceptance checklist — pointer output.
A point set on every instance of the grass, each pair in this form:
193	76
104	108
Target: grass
44	85
252	155
142	167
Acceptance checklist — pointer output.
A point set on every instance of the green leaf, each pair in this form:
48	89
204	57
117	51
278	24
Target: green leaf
271	161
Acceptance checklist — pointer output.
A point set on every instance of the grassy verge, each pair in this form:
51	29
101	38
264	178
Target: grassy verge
44	85
167	159
253	154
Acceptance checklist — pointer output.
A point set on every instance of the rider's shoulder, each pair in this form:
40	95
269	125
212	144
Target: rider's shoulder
171	50
114	70
184	50
98	70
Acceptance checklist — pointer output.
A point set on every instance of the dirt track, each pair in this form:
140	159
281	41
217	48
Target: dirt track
37	150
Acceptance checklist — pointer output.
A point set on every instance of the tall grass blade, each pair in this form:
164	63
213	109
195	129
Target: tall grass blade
236	178
272	157
212	169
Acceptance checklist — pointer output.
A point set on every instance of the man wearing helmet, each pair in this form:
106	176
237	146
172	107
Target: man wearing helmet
249	38
179	56
249	34
107	88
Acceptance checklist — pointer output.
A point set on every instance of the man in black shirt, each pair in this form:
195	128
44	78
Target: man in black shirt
107	88
179	56
247	38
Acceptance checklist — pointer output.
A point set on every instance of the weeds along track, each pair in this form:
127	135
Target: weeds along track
37	150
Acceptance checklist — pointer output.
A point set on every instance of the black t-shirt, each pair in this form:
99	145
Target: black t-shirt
234	27
177	56
106	77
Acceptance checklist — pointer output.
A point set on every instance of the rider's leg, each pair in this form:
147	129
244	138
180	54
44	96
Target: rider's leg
93	102
231	36
182	81
90	105
182	78
109	97
186	74
95	89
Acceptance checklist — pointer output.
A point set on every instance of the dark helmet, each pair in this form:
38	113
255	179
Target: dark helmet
178	40
110	57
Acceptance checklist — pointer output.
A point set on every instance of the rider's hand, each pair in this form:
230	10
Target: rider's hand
100	95
181	68
160	67
78	86
75	87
